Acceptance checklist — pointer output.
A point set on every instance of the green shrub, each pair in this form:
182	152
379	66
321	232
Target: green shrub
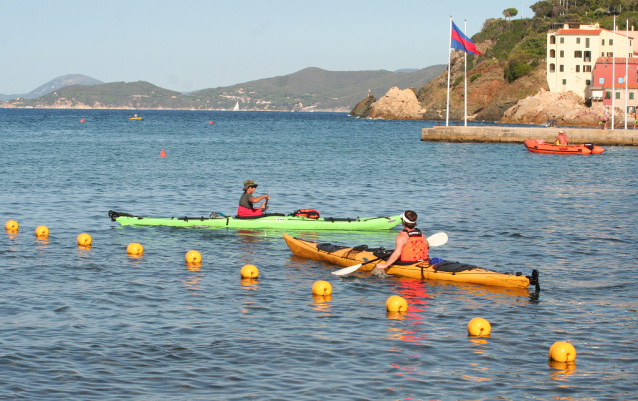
474	77
515	70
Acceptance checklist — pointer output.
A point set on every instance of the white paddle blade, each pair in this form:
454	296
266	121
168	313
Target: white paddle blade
437	239
347	270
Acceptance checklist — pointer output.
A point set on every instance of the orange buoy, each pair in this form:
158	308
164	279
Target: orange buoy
12	226
249	271
82	120
41	231
210	122
84	239
135	249
396	304
479	327
162	153
322	288
193	257
562	351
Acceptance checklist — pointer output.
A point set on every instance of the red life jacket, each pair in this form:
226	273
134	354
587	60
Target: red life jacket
415	249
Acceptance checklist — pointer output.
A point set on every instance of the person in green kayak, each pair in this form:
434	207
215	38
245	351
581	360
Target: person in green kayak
246	202
411	246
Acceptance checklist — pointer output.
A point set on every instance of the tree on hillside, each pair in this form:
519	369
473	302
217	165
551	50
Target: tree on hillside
510	12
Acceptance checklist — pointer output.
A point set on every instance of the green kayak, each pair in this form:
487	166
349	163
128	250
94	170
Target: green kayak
271	221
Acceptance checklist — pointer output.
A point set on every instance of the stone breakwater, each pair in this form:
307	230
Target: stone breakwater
608	137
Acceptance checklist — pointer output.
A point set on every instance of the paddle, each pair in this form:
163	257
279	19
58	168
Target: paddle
437	239
266	203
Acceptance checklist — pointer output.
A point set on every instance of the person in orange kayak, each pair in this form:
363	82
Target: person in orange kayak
561	138
411	245
246	206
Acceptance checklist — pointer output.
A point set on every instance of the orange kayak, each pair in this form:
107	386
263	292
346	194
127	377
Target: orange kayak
540	146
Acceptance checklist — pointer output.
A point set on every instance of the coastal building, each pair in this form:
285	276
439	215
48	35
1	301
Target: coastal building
572	49
603	88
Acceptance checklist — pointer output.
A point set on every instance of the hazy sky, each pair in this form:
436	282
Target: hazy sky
197	44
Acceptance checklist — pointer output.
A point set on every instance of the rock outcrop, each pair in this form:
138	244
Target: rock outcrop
362	109
562	108
397	104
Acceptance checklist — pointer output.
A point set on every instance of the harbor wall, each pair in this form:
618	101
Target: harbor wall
499	134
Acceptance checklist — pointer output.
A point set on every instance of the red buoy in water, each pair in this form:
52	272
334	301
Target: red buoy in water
82	120
162	153
210	122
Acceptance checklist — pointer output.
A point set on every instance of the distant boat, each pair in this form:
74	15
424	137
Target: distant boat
135	117
236	106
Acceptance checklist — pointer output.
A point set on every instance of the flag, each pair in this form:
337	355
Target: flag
462	42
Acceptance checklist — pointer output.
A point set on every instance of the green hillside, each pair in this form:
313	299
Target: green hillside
308	89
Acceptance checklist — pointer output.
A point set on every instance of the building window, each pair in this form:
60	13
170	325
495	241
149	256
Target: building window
552	68
603	42
587	56
620	80
578	54
552	40
577	41
562	40
607	95
611	42
577	68
564	82
561	68
552	53
587	43
617	95
601	81
588	82
631	95
562	53
610	54
587	68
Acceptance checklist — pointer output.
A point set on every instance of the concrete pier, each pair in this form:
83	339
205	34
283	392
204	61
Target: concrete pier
499	134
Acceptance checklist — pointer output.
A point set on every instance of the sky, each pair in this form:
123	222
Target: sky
199	44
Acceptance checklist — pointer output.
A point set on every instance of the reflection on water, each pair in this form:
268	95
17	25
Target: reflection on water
249	283
562	370
321	303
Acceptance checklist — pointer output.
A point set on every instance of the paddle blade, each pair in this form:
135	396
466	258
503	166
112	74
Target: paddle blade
437	239
347	270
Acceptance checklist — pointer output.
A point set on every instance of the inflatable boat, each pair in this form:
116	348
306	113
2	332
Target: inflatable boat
540	146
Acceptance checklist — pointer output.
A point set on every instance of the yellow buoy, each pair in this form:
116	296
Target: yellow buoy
41	232
135	249
396	304
193	257
479	327
249	271
12	226
562	351
84	239
322	288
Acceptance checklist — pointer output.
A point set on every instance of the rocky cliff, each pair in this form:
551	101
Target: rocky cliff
489	96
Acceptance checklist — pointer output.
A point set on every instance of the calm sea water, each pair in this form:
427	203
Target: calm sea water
96	324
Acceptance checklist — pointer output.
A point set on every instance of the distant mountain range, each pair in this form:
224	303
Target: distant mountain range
53	85
306	90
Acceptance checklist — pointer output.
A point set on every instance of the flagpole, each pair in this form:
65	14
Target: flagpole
626	73
613	78
465	79
449	62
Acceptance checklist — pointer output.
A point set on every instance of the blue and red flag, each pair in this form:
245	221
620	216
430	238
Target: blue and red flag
462	42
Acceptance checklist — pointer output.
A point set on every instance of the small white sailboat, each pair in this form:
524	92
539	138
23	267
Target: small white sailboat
236	106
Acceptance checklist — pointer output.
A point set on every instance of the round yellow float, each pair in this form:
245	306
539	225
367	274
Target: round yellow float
562	351
479	327
322	288
396	304
249	271
193	257
12	226
84	239
135	249
42	232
